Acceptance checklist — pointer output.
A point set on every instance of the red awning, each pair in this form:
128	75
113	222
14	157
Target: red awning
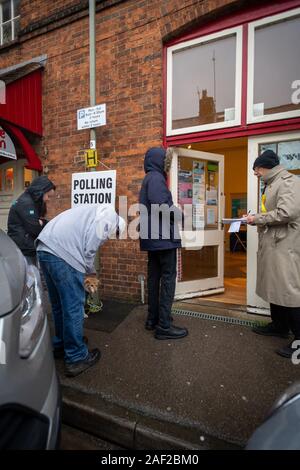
23	106
34	163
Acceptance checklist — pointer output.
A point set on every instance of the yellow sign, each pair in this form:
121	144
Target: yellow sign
91	158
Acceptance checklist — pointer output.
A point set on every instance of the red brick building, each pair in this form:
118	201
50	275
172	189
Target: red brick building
139	44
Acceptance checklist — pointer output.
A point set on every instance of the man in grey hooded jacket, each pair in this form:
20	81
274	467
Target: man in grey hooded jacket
66	251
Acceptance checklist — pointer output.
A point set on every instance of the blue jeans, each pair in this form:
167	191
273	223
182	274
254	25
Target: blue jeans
67	297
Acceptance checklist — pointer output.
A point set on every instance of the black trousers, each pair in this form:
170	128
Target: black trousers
161	285
286	319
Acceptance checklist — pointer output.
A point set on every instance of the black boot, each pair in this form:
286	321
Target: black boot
288	351
270	330
76	368
174	332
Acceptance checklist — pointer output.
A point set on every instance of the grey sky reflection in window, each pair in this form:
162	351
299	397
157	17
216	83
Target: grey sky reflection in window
276	66
204	83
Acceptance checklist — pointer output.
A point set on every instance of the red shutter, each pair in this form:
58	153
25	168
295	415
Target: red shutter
24	102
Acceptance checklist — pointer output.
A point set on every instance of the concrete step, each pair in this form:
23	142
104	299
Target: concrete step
129	429
74	439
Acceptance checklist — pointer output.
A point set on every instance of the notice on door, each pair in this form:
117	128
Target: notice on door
97	187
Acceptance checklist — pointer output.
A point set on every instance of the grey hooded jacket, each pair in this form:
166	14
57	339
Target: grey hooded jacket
76	234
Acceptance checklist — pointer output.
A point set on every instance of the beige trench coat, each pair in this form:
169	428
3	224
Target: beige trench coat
278	256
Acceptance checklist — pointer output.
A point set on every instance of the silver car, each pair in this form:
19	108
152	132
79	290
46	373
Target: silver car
30	403
281	428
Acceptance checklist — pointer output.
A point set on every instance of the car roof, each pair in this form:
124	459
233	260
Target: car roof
12	274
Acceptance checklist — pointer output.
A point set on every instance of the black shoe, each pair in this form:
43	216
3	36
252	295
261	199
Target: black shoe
59	353
174	332
287	351
270	330
71	370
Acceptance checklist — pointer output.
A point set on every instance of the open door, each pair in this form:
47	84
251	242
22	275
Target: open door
287	147
197	182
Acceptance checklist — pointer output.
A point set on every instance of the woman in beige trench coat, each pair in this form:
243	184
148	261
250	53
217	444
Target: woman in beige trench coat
278	256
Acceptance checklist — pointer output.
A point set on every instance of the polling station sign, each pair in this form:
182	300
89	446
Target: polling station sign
97	187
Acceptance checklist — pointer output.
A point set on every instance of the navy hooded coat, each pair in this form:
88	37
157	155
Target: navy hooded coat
23	224
154	190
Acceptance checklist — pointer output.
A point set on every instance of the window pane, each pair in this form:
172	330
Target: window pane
7	34
289	157
28	177
276	67
204	83
199	264
6	11
16	23
16	7
9	179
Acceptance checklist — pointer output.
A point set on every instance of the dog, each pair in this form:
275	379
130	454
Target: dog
91	284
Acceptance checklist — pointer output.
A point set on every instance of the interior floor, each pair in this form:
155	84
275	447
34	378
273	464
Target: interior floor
235	280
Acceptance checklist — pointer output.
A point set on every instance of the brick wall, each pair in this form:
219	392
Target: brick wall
130	37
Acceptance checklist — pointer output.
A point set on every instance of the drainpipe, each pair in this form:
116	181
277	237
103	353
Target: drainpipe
93	143
92	21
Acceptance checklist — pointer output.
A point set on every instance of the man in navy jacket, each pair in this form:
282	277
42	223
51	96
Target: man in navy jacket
26	218
159	235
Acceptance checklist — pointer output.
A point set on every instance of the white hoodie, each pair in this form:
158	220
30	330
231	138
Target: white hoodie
76	234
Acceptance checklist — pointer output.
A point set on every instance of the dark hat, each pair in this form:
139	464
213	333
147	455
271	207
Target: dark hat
268	159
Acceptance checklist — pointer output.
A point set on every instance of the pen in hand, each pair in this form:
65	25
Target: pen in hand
251	220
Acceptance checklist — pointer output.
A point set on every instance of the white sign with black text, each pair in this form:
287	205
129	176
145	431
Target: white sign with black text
88	118
95	187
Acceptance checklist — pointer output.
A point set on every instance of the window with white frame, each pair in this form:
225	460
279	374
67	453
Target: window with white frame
9	20
274	67
204	83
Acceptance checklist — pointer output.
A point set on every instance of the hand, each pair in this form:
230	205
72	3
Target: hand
250	219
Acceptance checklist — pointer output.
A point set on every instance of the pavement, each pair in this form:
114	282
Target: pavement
209	390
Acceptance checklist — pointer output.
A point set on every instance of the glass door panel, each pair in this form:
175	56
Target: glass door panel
197	186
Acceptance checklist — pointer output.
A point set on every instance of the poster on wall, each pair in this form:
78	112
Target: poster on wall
185	176
211	215
185	193
185	187
198	182
211	196
212	184
198	216
198	170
